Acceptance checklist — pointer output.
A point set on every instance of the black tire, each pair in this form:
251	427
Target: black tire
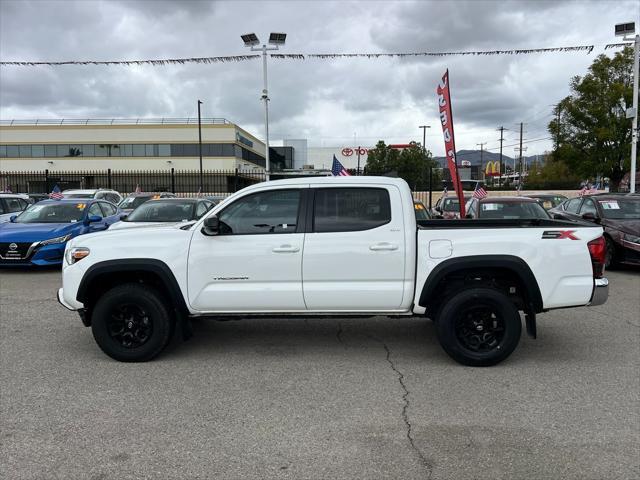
131	323
610	253
479	327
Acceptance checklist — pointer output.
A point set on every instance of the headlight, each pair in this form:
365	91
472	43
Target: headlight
631	238
51	241
75	254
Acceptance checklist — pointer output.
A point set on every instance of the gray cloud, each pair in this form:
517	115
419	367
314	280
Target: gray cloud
323	100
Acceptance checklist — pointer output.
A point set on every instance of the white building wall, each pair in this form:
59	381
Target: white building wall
125	134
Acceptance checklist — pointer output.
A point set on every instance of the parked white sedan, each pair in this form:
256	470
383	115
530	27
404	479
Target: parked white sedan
164	211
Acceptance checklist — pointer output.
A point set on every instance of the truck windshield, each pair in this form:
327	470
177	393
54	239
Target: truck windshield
621	208
52	213
512	210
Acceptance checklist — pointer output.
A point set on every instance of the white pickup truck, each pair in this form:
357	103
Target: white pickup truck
336	246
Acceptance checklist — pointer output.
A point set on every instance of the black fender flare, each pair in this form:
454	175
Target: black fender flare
156	267
508	262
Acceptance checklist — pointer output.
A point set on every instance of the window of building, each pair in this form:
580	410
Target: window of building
89	150
75	150
25	150
164	150
3	151
139	150
50	150
62	150
37	150
102	150
350	209
190	150
151	150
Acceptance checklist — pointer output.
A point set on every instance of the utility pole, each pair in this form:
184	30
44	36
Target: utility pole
424	155
502	129
558	108
482	159
520	151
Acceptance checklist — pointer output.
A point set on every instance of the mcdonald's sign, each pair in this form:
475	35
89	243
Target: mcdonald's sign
492	169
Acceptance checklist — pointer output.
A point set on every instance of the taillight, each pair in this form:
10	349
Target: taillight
598	252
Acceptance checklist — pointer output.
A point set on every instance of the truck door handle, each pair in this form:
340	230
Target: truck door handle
285	249
383	246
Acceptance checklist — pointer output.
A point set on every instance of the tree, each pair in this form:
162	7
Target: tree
593	137
410	164
552	174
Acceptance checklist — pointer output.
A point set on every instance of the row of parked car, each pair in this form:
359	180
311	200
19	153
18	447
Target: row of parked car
34	230
37	228
617	213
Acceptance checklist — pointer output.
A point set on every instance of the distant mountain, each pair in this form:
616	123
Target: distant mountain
473	156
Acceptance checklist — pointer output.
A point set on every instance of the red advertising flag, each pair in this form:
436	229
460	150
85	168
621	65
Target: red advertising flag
446	118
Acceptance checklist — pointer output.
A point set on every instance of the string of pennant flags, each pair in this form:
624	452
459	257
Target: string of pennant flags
299	56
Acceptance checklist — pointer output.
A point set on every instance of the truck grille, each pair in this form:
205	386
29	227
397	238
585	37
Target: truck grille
14	250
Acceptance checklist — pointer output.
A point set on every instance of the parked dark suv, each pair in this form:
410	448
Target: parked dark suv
619	215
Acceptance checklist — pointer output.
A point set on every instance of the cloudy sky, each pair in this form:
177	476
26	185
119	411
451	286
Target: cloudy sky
326	101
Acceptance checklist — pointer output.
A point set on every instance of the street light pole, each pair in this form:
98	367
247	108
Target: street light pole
634	124
251	40
200	145
424	154
622	30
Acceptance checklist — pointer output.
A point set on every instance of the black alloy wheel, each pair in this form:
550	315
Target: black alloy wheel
132	323
129	325
479	326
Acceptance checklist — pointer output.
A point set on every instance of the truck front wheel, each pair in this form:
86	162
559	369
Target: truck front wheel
131	323
479	327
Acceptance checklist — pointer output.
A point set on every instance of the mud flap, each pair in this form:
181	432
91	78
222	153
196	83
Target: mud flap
530	322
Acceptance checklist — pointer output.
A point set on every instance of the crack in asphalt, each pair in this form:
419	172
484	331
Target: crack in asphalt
339	334
405	414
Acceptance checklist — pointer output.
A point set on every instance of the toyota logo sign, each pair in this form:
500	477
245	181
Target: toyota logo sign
13	246
347	152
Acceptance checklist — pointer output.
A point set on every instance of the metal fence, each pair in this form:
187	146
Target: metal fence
184	182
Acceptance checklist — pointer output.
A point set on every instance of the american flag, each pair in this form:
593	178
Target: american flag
479	192
56	194
337	169
589	189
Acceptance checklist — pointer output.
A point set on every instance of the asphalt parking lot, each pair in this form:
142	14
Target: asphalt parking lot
352	398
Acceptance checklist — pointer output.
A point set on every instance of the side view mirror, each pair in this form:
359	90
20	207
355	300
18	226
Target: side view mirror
589	216
211	226
123	216
94	218
557	216
12	218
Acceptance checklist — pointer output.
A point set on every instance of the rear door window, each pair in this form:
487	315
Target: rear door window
573	205
350	209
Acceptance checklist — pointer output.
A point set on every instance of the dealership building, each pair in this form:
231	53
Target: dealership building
128	144
157	144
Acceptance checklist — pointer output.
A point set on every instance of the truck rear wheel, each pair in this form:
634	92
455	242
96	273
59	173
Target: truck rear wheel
479	327
131	323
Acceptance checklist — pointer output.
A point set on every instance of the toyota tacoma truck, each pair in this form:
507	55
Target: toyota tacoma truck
336	246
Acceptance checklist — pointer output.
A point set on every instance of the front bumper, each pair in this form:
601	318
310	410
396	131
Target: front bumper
62	301
600	292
